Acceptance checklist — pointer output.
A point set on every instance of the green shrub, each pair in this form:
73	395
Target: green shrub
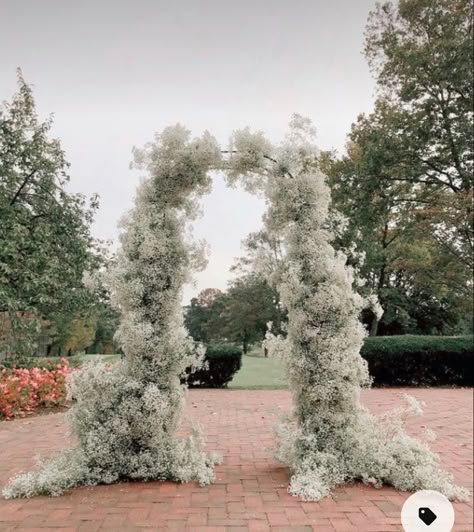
222	361
420	360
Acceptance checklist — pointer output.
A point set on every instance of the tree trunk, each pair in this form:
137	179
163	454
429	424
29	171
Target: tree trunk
374	326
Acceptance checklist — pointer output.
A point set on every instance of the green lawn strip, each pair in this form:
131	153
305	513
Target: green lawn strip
259	373
100	358
74	360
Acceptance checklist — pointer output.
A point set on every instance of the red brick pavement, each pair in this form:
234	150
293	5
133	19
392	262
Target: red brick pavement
250	489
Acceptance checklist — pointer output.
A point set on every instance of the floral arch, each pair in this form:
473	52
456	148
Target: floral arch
125	418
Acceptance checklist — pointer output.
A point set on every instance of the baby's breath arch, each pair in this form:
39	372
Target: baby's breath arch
125	418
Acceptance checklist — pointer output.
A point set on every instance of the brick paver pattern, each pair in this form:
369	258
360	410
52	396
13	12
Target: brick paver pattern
250	491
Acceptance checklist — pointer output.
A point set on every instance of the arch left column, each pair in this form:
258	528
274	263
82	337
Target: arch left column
125	417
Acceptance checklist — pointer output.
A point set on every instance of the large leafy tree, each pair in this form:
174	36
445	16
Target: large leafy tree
421	288
406	181
422	54
239	315
243	312
263	254
45	239
203	317
249	305
90	329
72	333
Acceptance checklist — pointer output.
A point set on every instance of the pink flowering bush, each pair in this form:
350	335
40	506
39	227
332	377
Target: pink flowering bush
22	390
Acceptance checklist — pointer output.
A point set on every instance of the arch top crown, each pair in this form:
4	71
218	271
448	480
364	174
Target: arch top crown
178	165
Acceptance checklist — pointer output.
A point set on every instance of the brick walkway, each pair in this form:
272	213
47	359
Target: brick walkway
250	490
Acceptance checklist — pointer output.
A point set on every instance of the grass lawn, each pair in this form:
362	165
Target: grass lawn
101	358
259	373
76	359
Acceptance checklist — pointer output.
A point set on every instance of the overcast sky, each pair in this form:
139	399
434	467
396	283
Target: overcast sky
115	71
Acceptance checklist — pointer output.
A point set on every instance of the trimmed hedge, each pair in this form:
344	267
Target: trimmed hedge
222	361
420	360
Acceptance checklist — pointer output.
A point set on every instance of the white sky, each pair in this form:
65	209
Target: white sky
114	72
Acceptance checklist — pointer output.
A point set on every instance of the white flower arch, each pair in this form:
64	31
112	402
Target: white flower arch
125	418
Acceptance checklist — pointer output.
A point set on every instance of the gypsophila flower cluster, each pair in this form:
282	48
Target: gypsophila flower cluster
125	417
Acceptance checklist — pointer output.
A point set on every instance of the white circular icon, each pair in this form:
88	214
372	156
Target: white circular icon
427	511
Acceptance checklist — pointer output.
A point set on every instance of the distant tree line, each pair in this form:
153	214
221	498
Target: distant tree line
250	306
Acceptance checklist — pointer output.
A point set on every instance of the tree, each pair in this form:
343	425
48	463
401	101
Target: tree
72	333
240	314
263	258
263	254
107	324
422	55
207	296
248	306
203	317
45	240
92	327
411	161
402	264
